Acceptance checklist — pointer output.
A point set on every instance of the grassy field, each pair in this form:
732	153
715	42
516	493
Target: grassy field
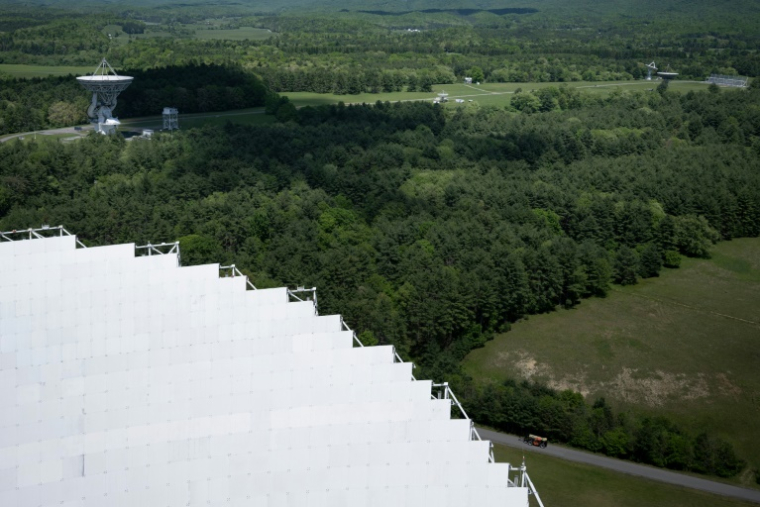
563	483
203	32
30	71
491	94
683	345
242	33
498	94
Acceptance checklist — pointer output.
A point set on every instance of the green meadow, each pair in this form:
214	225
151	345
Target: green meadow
488	94
242	33
562	483
684	345
31	71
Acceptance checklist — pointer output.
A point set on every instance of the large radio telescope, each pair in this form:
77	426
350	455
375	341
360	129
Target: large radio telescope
105	85
668	73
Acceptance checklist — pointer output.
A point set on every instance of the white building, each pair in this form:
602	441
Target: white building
128	380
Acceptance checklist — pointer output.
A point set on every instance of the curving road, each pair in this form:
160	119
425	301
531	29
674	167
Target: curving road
626	467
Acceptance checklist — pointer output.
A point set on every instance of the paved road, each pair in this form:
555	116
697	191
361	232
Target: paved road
150	121
626	467
64	130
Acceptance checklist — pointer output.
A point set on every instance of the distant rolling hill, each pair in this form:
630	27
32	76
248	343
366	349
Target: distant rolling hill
639	8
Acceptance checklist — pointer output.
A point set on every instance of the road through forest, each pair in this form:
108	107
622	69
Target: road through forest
626	467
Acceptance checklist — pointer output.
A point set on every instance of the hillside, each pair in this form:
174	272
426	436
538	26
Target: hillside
685	10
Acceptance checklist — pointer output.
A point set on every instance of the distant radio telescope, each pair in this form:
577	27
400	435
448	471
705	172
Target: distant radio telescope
650	67
105	85
668	74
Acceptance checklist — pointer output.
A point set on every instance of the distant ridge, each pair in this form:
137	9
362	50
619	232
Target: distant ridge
649	9
460	12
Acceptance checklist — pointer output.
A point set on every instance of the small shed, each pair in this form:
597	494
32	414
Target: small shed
171	118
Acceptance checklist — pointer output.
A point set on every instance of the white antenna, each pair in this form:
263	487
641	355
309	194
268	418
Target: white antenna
668	74
650	67
105	85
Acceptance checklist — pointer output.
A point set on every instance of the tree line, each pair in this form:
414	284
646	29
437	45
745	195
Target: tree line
564	416
531	50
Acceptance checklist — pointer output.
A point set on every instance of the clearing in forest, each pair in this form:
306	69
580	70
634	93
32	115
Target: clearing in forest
685	345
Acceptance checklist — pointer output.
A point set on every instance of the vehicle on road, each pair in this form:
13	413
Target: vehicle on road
536	441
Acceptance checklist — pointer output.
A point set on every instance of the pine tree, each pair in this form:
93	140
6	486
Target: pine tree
650	262
626	266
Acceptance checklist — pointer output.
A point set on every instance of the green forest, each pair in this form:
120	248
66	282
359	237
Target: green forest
426	226
432	228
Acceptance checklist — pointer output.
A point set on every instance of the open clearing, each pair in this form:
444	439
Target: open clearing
484	94
489	94
196	31
562	483
242	33
493	94
683	345
30	71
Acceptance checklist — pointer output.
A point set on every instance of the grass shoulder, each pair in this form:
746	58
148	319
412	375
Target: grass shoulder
562	483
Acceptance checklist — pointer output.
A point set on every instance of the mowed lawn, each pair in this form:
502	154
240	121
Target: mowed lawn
488	94
30	71
562	483
242	33
685	345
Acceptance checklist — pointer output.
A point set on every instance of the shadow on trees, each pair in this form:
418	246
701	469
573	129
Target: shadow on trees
191	89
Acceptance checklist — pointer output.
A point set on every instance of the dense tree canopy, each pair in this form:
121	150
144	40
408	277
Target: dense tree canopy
430	228
566	417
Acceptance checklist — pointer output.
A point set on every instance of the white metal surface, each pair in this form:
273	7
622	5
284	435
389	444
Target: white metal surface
651	67
127	380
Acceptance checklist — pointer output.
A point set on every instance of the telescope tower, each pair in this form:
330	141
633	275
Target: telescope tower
105	85
171	118
650	67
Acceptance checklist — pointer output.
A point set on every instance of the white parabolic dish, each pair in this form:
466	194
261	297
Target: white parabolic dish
97	82
131	381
